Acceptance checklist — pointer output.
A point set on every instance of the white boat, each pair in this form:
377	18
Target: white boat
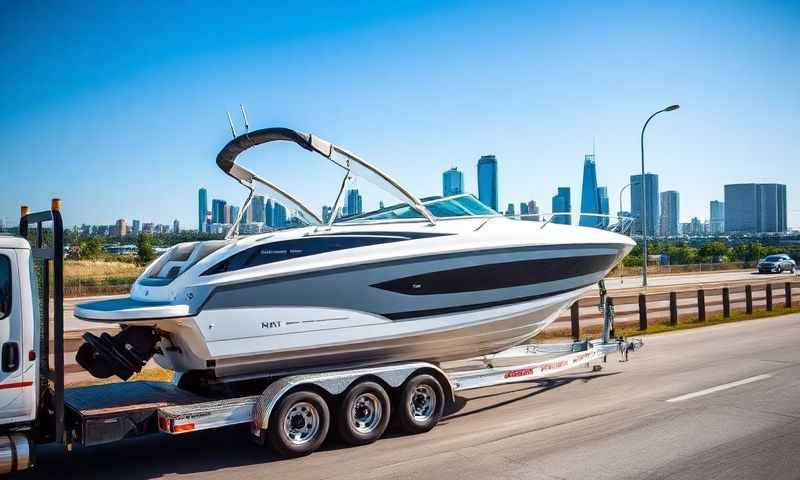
435	280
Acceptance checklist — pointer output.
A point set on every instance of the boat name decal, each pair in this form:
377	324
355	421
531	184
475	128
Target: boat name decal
275	324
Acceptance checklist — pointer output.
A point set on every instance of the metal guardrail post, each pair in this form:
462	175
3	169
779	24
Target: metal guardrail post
642	312
769	297
701	305
788	292
748	298
575	318
726	302
673	308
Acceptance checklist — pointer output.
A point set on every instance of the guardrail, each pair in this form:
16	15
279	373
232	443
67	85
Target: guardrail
670	306
653	268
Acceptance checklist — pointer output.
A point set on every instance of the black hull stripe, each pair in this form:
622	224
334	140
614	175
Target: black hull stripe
498	275
419	259
475	306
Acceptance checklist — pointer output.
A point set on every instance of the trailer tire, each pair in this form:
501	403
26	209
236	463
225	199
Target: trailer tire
363	414
420	404
299	424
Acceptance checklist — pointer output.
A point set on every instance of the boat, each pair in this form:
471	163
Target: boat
437	279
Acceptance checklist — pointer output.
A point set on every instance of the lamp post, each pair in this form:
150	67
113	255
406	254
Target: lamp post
620	196
644	196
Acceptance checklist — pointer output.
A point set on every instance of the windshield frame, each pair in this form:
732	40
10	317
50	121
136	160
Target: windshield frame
226	160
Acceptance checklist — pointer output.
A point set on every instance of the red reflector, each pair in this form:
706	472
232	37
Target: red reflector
163	424
186	427
31	356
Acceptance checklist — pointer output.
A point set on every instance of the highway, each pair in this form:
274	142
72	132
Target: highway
716	402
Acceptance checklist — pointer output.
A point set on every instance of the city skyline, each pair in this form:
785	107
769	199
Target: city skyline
766	212
531	107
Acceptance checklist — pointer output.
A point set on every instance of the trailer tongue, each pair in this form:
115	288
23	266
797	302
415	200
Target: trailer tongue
291	413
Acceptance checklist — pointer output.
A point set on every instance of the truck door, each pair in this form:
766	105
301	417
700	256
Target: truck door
11	375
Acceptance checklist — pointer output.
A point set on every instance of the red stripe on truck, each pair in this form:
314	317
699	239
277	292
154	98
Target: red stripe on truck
4	386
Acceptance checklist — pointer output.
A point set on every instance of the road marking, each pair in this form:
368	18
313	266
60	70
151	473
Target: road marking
719	388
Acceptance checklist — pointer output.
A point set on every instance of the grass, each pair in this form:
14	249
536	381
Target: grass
156	374
630	329
98	277
83	270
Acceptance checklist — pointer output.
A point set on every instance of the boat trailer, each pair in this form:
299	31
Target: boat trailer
528	362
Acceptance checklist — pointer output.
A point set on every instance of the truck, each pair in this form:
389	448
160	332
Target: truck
36	408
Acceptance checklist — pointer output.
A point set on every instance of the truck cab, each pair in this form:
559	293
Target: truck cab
19	324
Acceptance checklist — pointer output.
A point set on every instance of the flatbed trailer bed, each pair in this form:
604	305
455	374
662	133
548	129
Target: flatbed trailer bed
106	413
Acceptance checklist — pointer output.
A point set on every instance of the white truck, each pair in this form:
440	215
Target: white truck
35	407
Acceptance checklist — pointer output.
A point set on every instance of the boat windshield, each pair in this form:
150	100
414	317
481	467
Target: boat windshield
462	205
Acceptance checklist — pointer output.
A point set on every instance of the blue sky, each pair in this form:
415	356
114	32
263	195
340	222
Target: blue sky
120	110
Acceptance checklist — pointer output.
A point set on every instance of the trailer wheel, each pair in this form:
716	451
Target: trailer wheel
363	414
299	424
420	404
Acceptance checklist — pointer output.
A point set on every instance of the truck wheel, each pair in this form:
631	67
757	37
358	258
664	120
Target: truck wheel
299	424
363	415
420	404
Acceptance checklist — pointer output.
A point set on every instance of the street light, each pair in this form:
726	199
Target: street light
644	196
620	197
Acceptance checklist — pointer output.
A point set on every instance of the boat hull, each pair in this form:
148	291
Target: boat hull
342	337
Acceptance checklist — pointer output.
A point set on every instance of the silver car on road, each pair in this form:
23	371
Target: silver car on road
777	264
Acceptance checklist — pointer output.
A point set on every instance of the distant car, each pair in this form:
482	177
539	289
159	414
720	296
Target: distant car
777	264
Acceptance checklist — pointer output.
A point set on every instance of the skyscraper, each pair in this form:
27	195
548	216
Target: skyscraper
695	227
326	213
452	182
176	226
651	188
602	193
227	214
523	208
487	181
510	210
218	210
670	212
772	202
257	207
278	215
590	197
233	213
562	203
717	216
755	208
202	208
269	214
353	203
137	227
533	210
121	228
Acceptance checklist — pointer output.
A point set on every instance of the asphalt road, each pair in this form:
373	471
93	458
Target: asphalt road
717	402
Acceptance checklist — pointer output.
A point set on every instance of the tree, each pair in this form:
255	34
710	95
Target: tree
681	254
713	251
144	246
91	248
749	252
